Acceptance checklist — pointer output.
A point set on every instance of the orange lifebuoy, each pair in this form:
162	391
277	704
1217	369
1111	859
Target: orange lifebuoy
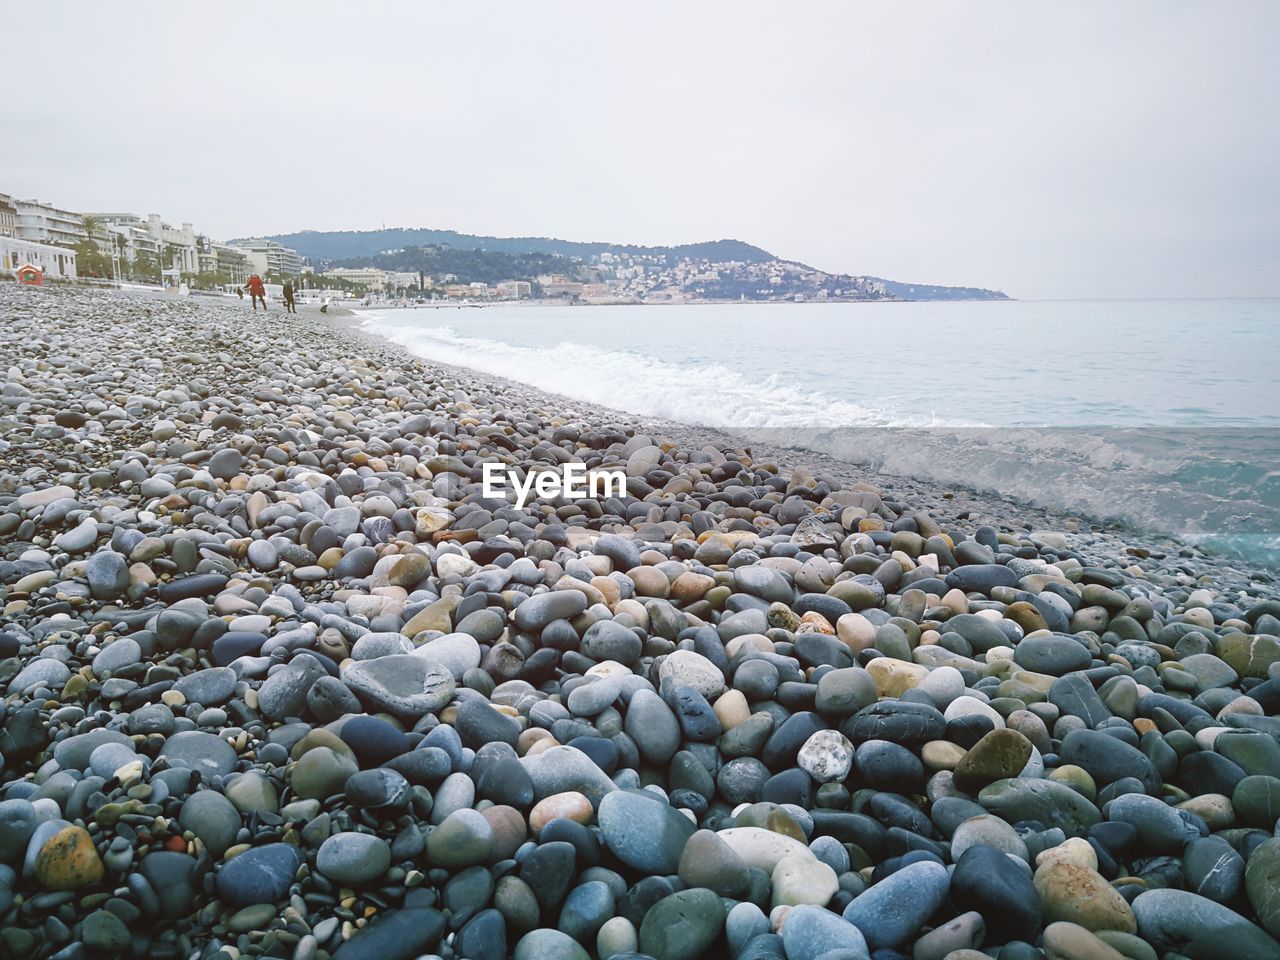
30	274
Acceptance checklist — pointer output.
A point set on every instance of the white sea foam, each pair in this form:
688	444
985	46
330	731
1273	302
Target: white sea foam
1215	486
710	395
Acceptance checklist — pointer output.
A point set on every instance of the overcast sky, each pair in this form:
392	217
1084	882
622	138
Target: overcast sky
1084	149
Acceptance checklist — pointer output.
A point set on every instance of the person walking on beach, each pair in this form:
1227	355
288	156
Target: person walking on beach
289	305
257	292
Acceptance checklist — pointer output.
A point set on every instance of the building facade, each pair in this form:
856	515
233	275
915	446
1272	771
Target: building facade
515	289
127	236
280	260
58	263
227	261
44	223
371	278
136	245
8	216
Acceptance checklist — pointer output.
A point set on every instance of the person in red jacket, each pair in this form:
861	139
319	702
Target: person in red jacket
257	291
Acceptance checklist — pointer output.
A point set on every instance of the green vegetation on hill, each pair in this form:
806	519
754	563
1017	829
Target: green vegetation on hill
927	291
468	266
363	244
477	259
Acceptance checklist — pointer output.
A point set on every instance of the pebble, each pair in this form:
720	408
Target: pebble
987	881
463	839
395	935
103	930
891	912
207	754
1082	896
827	756
67	860
683	925
281	681
801	878
644	832
708	861
259	875
1261	881
211	817
809	932
353	859
1194	926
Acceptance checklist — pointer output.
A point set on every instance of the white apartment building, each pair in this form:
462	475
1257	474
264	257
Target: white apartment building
515	289
44	223
278	258
129	235
56	262
371	278
374	279
231	262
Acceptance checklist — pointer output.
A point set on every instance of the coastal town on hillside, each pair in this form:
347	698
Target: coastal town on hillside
115	248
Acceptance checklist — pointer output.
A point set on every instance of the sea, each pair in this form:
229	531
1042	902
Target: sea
1159	415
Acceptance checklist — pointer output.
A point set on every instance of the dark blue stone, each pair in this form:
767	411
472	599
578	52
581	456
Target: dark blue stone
373	740
235	644
259	875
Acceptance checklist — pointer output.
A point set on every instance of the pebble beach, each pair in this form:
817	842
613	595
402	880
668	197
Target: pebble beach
279	681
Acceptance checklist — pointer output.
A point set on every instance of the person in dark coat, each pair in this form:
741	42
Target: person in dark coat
289	305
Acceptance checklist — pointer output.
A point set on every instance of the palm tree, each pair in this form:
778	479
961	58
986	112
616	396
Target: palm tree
93	260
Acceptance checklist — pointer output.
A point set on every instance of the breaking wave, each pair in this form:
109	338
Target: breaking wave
1218	487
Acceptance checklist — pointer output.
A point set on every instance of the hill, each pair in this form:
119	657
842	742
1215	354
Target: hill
929	291
353	244
716	269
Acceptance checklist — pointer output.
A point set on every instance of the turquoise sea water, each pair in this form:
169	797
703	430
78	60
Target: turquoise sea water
1161	414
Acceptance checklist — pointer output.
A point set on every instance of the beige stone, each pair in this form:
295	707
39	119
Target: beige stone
569	805
857	632
1082	896
732	708
941	754
1070	941
893	677
799	879
762	848
1075	851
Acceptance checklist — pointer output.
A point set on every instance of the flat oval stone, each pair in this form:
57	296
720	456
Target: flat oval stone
1194	926
395	935
682	925
987	881
811	932
541	609
208	755
403	684
211	817
643	831
892	911
353	859
1054	654
1047	801
259	875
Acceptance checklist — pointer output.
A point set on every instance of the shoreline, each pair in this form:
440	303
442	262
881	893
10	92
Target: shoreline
279	680
994	507
553	302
